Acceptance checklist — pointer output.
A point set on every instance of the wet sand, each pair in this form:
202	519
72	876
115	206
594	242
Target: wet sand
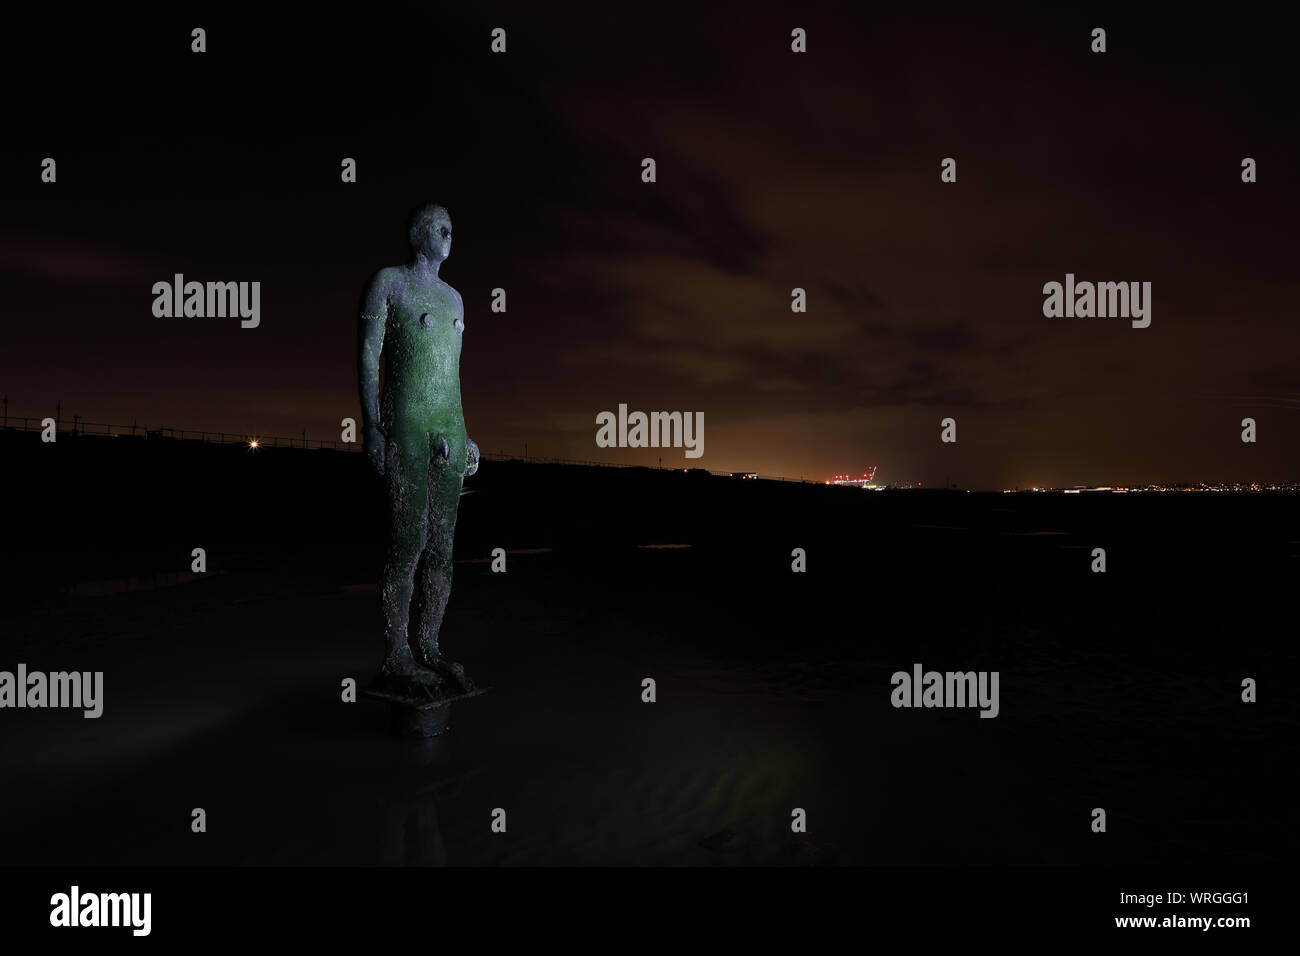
237	710
1120	691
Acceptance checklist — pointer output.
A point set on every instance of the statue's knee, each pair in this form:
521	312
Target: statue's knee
437	564
405	546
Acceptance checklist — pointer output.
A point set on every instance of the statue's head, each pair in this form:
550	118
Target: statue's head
430	232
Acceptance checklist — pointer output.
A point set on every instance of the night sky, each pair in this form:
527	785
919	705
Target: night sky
775	170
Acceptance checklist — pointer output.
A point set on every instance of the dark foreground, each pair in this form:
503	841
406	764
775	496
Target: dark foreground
1118	690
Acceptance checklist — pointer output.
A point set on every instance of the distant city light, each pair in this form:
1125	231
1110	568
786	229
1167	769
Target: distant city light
864	482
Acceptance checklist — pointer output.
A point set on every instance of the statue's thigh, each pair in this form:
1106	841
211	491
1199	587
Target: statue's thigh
444	500
407	475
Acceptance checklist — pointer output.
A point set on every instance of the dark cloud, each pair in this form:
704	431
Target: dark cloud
775	171
71	260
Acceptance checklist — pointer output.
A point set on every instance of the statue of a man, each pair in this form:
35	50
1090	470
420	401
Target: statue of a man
415	440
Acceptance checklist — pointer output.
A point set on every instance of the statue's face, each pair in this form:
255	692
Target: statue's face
433	236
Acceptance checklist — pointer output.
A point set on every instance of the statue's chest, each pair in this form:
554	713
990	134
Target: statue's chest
430	315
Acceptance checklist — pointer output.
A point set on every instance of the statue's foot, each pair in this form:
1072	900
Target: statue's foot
403	677
446	673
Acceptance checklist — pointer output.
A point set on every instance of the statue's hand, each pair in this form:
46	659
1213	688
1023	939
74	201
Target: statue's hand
374	440
471	456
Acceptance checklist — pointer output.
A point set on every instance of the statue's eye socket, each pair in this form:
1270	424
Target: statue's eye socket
445	232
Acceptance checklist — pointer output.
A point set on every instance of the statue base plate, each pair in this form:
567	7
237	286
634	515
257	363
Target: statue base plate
420	716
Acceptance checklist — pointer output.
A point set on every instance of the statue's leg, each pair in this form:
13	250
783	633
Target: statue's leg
433	581
406	476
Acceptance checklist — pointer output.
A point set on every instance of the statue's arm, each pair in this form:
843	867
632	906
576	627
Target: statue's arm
371	321
471	448
471	456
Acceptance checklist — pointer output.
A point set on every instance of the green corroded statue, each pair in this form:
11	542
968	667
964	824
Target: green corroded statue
415	440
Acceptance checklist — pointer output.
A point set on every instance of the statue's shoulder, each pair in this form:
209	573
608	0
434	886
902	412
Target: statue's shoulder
388	278
381	285
379	291
460	303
